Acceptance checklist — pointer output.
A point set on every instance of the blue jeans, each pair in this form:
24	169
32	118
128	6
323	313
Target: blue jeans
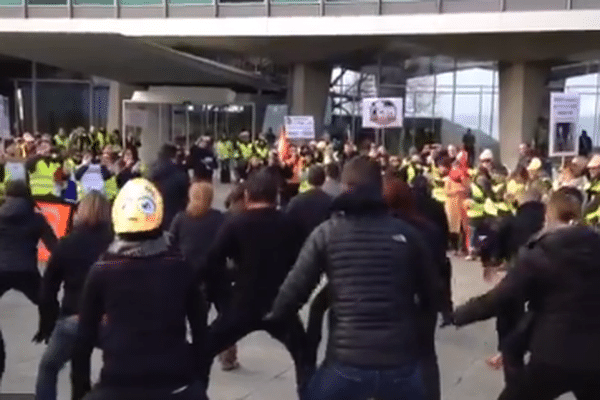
336	381
58	352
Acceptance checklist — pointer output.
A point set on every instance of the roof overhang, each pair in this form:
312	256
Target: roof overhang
129	60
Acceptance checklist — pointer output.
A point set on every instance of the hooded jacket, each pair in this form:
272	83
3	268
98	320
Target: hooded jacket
142	293
21	228
558	273
381	280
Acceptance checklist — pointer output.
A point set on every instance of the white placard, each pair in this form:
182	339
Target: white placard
381	113
300	127
16	171
4	118
564	123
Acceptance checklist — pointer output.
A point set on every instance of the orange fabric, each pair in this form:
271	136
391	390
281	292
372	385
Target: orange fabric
283	147
58	216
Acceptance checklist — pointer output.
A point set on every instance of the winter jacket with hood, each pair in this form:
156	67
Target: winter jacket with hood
558	273
381	281
142	293
21	228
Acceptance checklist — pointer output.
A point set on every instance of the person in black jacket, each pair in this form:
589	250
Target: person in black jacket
263	244
399	197
194	230
557	273
21	228
501	248
381	280
136	304
68	267
202	160
172	182
311	207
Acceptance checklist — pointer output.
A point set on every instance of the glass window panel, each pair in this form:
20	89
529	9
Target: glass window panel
10	3
190	1
62	105
47	2
467	110
94	2
443	105
100	109
140	2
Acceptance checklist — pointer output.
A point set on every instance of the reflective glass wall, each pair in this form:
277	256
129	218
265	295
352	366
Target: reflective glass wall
55	104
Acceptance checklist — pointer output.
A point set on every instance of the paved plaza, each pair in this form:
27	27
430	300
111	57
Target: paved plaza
267	371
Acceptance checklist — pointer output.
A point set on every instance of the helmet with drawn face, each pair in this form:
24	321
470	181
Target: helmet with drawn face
137	208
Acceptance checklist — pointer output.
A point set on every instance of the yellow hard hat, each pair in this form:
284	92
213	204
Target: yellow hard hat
535	164
138	207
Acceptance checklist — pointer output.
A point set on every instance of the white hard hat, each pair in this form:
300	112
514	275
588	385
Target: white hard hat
486	155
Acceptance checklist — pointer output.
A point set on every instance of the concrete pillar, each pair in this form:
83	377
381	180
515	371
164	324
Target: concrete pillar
117	92
523	95
308	90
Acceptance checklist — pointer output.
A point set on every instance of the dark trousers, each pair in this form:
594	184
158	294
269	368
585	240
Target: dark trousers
430	366
314	329
509	317
27	283
545	382
2	357
229	327
338	381
195	391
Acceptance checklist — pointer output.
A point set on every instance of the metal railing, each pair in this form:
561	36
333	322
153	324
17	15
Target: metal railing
268	8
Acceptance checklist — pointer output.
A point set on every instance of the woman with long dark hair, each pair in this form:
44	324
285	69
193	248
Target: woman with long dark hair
401	200
68	267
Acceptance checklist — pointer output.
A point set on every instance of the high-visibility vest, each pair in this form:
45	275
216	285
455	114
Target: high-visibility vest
61	142
477	205
99	138
222	150
110	188
261	150
41	180
245	150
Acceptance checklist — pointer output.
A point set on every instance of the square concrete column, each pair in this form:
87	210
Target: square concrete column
308	90
117	92
523	95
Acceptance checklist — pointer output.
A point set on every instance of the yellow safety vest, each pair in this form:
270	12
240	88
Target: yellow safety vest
110	188
477	205
261	150
245	150
61	142
222	150
41	180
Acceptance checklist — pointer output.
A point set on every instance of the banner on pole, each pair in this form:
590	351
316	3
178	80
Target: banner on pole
564	121
300	127
58	216
379	113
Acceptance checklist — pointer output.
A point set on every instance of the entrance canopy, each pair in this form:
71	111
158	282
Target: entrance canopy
181	114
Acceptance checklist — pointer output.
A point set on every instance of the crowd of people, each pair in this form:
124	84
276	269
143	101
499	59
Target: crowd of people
140	276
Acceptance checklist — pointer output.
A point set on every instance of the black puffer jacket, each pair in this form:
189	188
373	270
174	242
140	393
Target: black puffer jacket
21	228
558	272
377	266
